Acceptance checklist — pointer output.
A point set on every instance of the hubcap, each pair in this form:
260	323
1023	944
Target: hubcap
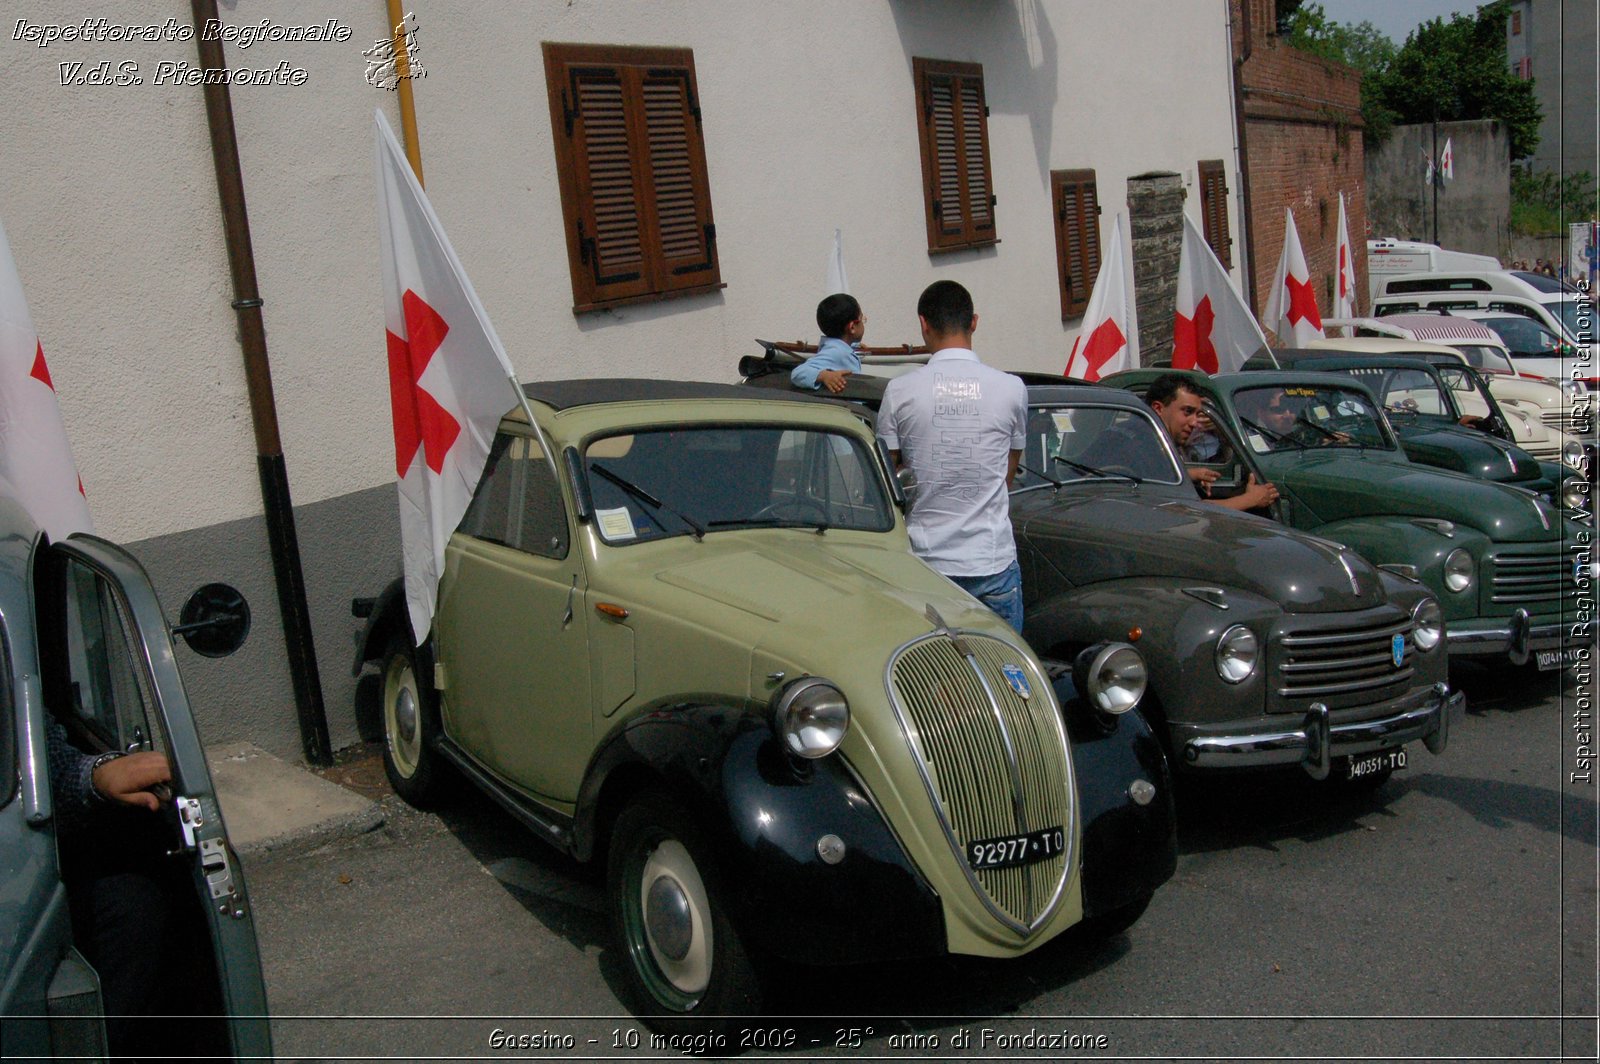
405	714
402	725
668	920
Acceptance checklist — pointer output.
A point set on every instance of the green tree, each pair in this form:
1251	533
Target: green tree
1457	70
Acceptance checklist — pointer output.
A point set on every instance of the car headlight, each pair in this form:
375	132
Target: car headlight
1458	570
1572	454
811	716
1237	652
1112	676
1427	624
1575	493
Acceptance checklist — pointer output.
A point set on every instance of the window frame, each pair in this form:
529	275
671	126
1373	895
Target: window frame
1212	177
973	230
1081	249
638	76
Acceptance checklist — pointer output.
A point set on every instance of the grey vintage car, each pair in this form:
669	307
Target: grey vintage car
83	638
1264	645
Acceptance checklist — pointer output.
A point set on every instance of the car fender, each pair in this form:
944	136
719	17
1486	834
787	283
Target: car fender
1420	542
765	812
384	615
1177	634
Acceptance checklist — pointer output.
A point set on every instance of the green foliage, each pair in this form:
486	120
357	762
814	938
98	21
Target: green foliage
1363	46
1456	71
1542	203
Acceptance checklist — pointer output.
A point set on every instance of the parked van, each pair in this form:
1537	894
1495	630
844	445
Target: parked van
1545	299
1390	257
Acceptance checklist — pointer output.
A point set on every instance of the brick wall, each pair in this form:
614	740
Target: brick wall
1302	134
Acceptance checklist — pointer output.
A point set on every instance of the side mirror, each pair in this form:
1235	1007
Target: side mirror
215	621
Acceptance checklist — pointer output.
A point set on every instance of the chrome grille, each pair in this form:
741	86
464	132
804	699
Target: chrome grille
1534	574
1563	420
1343	666
995	764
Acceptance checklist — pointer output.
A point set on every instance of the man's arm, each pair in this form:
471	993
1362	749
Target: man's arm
1012	461
1254	496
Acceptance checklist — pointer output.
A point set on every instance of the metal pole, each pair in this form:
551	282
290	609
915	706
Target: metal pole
278	508
1434	171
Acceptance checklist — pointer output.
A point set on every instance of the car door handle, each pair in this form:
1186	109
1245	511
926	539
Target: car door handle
566	618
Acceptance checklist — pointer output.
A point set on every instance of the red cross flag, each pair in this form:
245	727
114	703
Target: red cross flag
1447	162
1344	283
1109	339
35	458
1292	307
449	378
1213	330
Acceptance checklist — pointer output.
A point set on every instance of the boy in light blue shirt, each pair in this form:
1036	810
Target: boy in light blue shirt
843	325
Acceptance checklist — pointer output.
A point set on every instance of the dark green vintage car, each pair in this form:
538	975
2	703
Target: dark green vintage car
1433	429
681	633
1508	569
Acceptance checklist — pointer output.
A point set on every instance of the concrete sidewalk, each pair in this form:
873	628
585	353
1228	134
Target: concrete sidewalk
271	806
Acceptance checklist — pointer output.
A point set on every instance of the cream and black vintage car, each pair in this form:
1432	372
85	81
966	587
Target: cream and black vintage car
681	632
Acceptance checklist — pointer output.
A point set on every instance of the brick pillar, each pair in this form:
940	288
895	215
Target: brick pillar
1155	210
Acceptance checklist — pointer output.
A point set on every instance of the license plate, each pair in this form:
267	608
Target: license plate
1545	660
1368	764
1016	849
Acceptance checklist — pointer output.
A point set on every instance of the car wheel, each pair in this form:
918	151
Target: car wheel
686	966
1105	925
410	724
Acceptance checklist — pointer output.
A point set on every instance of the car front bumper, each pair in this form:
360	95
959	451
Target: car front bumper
1317	739
1517	638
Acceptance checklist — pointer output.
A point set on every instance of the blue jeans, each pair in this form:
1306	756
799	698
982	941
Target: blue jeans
1001	592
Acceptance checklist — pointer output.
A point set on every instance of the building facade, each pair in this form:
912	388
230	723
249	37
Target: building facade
991	143
1554	44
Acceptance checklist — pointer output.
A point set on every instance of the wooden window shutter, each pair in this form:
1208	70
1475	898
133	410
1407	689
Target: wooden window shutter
953	127
630	158
1077	223
1214	210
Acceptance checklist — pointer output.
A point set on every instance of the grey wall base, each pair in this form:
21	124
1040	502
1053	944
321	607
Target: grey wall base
349	547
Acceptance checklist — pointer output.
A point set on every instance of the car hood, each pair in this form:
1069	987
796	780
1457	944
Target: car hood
1481	455
1337	488
1090	538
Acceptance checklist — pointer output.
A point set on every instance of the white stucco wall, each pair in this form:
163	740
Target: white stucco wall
109	197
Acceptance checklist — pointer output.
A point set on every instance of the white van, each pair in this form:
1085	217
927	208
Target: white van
1390	257
1545	299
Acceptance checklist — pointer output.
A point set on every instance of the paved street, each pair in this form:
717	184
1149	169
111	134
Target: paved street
1452	915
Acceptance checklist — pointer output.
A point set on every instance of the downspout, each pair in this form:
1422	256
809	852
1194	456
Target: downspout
1247	223
408	106
279	510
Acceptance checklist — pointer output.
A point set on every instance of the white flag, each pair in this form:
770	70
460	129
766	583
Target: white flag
1447	161
1292	306
1213	329
35	457
1344	284
1109	339
449	378
838	280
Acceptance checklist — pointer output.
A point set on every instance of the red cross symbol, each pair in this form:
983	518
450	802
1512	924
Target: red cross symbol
1344	266
40	371
1104	343
1302	302
1191	339
419	420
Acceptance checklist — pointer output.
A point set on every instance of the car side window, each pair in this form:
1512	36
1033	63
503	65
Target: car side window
518	502
109	696
8	725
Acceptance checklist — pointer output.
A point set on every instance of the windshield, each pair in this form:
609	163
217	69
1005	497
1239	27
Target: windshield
1406	392
1487	358
1085	442
697	480
1299	416
1526	337
1577	317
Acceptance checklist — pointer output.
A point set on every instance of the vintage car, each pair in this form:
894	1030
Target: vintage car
1452	424
83	637
1264	646
1507	568
680	631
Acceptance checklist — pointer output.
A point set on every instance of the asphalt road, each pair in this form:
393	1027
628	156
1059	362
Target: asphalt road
1451	915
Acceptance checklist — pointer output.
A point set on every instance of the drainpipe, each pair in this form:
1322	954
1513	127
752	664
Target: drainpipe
278	508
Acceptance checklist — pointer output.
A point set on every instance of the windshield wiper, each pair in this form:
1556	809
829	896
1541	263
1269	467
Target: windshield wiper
649	500
1328	434
1272	437
1047	478
1090	470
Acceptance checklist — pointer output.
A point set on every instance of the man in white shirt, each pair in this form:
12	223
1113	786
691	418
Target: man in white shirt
960	427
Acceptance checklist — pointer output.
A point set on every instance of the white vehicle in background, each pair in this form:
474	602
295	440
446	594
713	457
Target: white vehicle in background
1534	347
1540	411
1390	257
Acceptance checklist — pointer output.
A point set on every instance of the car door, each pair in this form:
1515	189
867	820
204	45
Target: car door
512	631
110	656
